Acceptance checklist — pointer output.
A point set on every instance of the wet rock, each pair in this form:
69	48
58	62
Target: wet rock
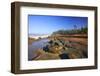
46	48
50	42
64	56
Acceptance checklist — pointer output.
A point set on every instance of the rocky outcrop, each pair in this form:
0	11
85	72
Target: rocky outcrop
60	49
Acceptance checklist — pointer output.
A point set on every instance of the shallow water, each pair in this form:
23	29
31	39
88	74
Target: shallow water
35	46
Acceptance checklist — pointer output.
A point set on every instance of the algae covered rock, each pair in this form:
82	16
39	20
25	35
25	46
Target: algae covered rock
53	47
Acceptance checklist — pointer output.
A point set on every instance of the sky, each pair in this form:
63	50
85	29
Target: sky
46	24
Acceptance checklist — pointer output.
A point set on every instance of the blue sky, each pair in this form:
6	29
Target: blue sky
42	24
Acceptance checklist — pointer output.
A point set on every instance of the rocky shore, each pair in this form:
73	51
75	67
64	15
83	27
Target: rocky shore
62	48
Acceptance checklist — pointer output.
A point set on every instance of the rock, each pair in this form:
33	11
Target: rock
55	46
64	56
38	53
56	49
75	55
65	48
85	54
57	42
51	42
46	48
48	56
63	42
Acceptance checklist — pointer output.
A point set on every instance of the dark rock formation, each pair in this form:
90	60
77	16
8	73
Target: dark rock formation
64	56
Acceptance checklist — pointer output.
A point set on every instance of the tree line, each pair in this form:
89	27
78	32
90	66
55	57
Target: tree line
82	30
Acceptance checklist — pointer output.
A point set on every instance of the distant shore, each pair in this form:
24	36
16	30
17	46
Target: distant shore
81	38
31	39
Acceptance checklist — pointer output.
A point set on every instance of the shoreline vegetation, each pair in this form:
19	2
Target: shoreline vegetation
63	44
